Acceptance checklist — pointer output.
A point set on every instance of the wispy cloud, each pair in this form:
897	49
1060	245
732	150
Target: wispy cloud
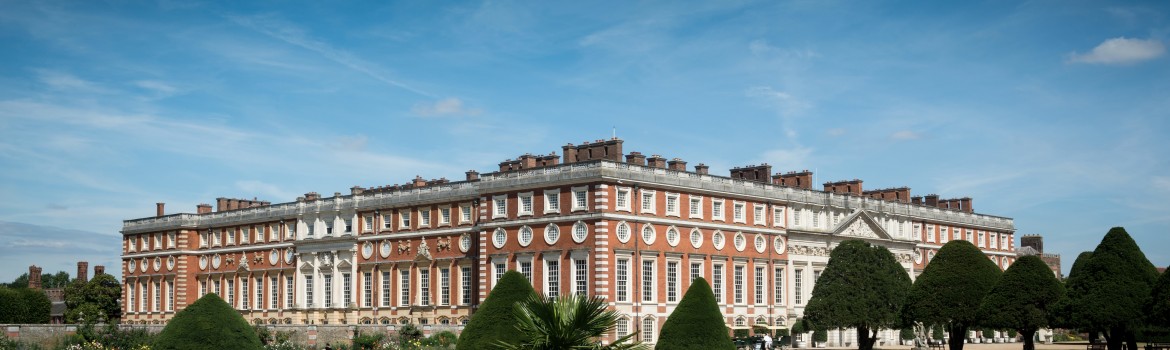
789	158
905	135
443	108
1121	51
292	34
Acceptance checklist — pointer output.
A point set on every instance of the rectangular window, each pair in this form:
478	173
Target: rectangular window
696	208
737	212
525	203
158	297
385	288
348	225
368	223
526	270
717	282
499	206
231	293
288	291
993	240
146	298
465	214
424	217
672	204
778	286
647	201
158	241
717	209
580	198
778	217
444	286
292	231
259	304
404	219
424	287
758	215
671	281
759	285
623	199
202	288
329	227
647	280
970	235
171	240
444	216
930	233
500	268
171	295
580	281
403	287
552	278
130	295
622	277
816	219
327	289
648	330
387	221
796	214
798	286
737	284
216	288
367	289
465	284
273	293
552	201
696	271
231	237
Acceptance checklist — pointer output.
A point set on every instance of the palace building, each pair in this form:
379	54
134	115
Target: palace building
593	220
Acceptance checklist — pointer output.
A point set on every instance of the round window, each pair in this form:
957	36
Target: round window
170	263
648	234
623	232
464	242
779	245
367	250
672	236
717	240
580	230
740	241
552	233
525	236
499	238
696	238
385	249
274	257
761	243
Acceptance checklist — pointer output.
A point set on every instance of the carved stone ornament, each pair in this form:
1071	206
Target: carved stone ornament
257	258
905	258
809	251
404	247
859	229
231	259
443	243
422	247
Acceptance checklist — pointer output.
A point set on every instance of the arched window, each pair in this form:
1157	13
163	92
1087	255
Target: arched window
648	329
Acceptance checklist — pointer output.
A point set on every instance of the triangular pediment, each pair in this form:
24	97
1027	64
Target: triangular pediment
344	264
306	266
861	225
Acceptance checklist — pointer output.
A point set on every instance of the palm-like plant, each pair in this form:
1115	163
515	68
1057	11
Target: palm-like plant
567	322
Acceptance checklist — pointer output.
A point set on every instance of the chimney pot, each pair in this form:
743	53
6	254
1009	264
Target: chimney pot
158	209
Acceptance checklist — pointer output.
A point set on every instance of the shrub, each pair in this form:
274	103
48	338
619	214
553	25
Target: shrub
494	319
209	323
936	332
907	333
367	341
445	338
696	323
821	335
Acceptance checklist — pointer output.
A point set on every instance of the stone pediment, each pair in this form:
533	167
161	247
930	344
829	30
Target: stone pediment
344	264
861	225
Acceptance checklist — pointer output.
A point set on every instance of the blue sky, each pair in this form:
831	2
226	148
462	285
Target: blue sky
1053	113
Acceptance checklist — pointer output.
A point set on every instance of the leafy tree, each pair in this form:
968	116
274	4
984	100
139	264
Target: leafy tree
696	323
60	279
94	301
1113	288
862	287
20	282
1023	299
12	309
23	305
1160	301
209	323
566	322
494	320
951	288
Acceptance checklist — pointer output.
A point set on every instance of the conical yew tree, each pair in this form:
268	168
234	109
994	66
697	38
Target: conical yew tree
696	323
494	320
209	323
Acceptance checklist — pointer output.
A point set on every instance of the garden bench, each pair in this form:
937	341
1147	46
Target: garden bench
1158	346
936	344
1095	346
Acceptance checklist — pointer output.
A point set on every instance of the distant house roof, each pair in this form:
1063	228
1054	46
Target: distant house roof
58	309
1026	250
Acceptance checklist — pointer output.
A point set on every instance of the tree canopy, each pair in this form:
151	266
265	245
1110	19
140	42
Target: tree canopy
99	295
696	323
48	280
494	320
862	287
567	322
1024	298
951	288
209	323
1160	301
1113	287
23	305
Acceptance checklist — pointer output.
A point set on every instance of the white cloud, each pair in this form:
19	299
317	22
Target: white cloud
156	86
1121	51
906	135
834	132
446	107
1162	183
63	81
786	104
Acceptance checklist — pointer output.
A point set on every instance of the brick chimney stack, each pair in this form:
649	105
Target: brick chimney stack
34	277
83	271
656	161
158	209
702	169
916	200
852	187
472	175
931	200
677	165
99	269
203	208
802	179
757	173
636	158
965	204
